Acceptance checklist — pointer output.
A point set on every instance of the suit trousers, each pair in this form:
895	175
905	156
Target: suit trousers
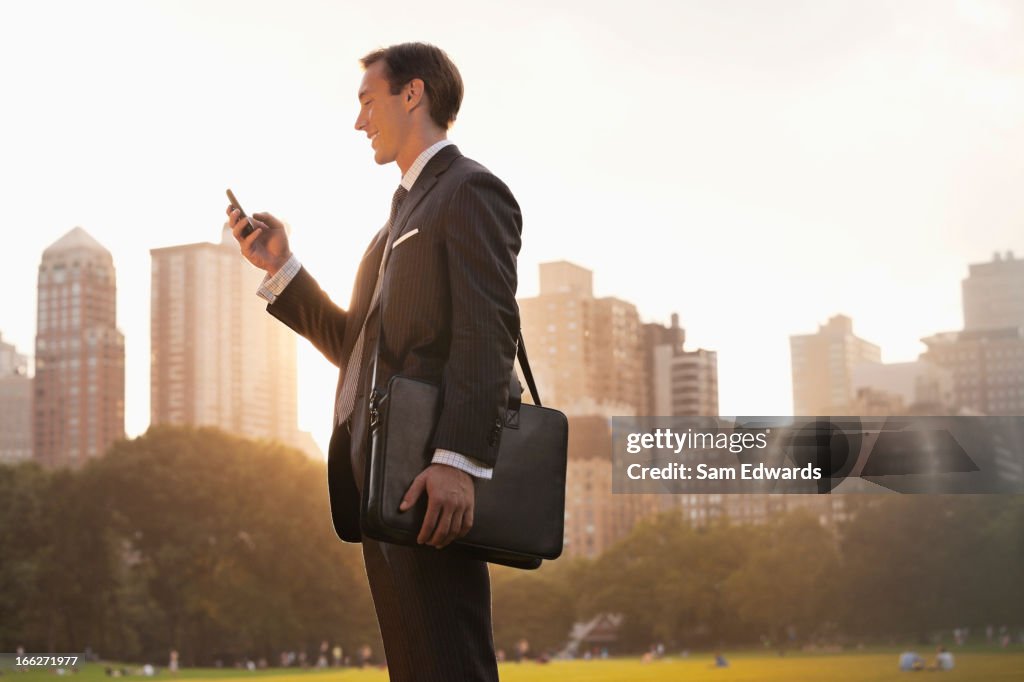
434	611
433	608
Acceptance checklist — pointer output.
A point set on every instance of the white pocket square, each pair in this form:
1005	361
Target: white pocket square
405	236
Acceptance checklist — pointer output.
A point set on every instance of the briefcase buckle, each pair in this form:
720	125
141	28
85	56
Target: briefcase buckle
512	419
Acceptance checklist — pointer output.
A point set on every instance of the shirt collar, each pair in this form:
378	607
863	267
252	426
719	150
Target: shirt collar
409	179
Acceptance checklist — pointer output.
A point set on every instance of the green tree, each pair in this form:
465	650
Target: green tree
232	542
915	564
23	541
667	580
533	605
786	578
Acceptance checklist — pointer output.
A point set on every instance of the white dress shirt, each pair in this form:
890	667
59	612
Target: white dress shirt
273	286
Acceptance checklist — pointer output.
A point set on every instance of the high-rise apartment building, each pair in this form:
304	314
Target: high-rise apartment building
986	359
78	390
11	361
218	359
994	294
685	384
893	388
593	359
699	510
681	383
822	367
586	352
15	405
595	518
987	366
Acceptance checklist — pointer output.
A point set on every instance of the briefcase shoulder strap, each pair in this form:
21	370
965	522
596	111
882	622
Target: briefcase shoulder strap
524	362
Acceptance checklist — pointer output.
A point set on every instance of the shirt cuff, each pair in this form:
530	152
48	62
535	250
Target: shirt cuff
272	286
471	466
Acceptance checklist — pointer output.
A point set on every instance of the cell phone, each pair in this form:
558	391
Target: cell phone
247	230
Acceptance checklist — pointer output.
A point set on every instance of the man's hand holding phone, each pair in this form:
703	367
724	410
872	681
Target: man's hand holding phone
262	238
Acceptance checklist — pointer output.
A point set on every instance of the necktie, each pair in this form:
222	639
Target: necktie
346	399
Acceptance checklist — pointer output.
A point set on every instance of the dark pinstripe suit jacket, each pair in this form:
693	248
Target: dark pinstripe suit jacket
449	316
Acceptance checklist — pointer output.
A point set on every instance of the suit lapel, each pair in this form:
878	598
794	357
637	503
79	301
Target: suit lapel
424	183
366	277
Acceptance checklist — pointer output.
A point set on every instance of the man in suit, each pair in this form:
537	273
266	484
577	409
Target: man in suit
437	284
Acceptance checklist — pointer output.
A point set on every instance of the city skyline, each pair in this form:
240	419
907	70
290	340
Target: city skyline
565	278
757	168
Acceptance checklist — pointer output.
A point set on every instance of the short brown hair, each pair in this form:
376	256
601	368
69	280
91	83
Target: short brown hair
441	78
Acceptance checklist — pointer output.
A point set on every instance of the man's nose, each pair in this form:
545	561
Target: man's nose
360	123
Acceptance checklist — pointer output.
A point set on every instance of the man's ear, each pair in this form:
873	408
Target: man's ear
414	94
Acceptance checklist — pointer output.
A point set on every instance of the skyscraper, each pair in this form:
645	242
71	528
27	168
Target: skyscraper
11	361
681	383
593	359
218	359
587	356
987	366
895	387
994	294
823	365
587	352
78	398
595	519
15	405
986	358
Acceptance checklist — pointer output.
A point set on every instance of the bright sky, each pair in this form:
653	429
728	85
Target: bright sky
756	166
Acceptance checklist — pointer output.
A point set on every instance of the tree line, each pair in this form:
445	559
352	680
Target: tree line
221	548
905	568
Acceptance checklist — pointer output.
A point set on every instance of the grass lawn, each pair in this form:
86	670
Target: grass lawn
976	666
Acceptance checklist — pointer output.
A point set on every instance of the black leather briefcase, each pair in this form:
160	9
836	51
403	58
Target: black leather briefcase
519	514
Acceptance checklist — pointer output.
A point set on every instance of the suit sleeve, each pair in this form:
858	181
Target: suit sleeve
482	241
310	312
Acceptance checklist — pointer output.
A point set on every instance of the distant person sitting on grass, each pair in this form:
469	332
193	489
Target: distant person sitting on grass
720	661
943	660
910	661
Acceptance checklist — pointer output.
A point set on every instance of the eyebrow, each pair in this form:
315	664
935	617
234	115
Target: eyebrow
363	93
